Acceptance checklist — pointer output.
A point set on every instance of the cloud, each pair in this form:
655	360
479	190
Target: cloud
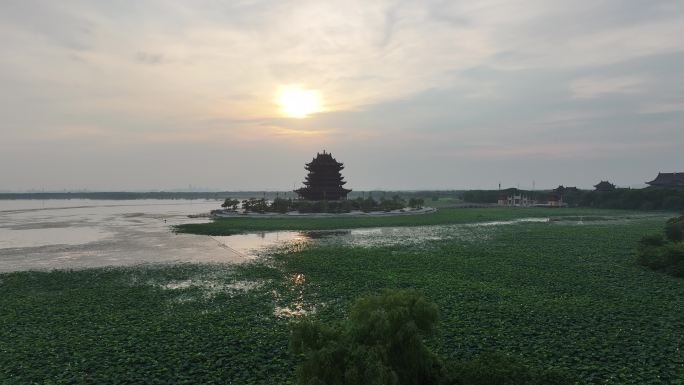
149	58
661	108
411	80
588	88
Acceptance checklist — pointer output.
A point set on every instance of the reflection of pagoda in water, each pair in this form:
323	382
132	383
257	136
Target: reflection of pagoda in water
324	181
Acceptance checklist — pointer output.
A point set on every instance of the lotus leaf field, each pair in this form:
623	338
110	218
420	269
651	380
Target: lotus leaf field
558	295
444	216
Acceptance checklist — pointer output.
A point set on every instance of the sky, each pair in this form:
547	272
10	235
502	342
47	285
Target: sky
164	94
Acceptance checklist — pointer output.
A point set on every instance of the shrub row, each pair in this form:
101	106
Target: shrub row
282	205
631	199
664	253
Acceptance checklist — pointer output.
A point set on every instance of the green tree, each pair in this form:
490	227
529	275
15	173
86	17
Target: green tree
416	203
380	344
657	254
369	204
255	205
281	205
230	202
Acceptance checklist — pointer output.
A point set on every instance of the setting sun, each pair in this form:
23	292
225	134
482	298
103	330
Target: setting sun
296	102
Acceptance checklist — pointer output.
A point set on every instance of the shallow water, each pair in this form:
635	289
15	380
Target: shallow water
35	237
512	222
249	245
92	233
88	233
253	245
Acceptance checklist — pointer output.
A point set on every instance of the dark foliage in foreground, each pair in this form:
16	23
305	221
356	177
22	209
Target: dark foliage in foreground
664	253
381	343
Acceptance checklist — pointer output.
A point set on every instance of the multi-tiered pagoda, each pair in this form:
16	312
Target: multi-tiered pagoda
324	181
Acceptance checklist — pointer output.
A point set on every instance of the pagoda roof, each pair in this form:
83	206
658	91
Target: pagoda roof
604	185
668	179
562	188
325	157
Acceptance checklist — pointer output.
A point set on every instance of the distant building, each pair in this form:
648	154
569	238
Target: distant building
604	185
515	200
564	190
668	179
324	181
555	200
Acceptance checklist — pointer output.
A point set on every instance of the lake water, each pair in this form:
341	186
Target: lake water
252	245
92	233
62	234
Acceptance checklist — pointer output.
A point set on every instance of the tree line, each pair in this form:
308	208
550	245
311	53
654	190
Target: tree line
283	205
664	252
621	198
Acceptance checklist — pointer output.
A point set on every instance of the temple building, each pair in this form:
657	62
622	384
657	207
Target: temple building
565	190
668	179
515	200
324	181
604	185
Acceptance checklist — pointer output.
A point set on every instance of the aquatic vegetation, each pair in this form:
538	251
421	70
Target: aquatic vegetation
494	368
445	216
674	229
561	296
565	297
381	342
121	326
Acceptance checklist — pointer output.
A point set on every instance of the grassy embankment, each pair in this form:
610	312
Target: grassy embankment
443	216
556	295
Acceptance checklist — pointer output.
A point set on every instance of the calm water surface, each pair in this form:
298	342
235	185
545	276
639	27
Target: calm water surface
58	234
91	233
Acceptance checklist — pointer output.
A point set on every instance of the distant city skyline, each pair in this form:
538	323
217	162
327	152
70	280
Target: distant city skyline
157	95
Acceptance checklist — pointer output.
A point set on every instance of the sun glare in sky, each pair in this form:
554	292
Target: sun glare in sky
296	102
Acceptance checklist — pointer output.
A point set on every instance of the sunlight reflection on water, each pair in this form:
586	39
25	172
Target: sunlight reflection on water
253	245
297	306
249	245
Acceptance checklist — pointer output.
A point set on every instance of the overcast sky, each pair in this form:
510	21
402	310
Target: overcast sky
161	94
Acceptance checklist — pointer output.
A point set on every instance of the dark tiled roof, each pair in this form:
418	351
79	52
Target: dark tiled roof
562	189
668	179
604	185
